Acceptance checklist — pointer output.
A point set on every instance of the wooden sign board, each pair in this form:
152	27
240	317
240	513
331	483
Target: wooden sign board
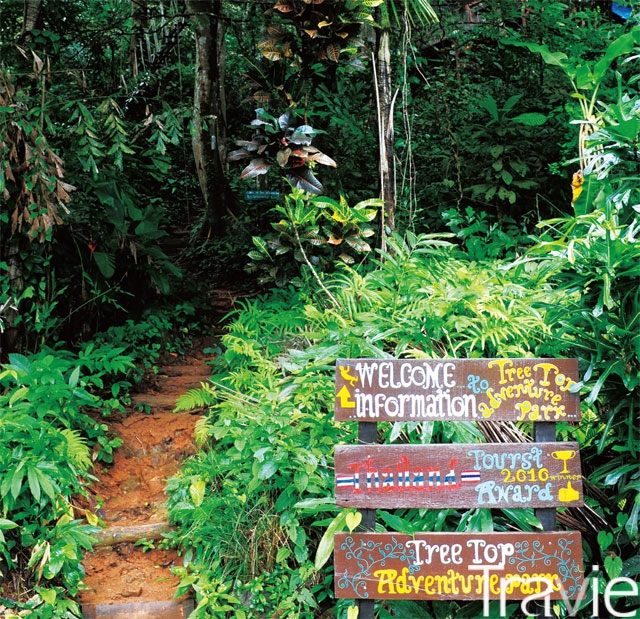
459	566
494	475
456	390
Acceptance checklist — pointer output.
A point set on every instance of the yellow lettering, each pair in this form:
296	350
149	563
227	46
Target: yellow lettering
428	584
501	363
386	578
546	368
485	410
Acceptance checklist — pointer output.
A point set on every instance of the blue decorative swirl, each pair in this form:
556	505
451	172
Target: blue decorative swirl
531	556
368	555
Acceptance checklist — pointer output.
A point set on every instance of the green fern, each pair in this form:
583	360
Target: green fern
76	449
196	398
203	430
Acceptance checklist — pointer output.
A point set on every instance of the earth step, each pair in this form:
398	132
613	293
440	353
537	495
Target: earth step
131	534
201	371
175	609
173	380
156	400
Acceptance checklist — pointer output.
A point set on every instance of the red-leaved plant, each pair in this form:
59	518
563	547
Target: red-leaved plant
275	141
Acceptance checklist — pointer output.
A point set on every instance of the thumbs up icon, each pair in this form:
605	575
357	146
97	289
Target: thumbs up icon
568	494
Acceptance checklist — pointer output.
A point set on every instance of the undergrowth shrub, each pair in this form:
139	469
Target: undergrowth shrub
594	259
51	436
252	506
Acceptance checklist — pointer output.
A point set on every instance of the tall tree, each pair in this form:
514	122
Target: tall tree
414	10
209	138
30	17
139	14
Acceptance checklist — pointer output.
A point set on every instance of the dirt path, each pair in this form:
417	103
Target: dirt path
124	579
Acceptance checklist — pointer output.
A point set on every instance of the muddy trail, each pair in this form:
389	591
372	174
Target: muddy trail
125	579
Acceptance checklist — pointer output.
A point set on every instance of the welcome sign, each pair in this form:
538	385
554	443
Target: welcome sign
465	566
456	390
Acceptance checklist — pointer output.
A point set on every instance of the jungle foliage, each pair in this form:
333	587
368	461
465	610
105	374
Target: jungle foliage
497	106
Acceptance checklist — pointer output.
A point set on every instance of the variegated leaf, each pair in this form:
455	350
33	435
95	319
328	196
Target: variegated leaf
255	168
333	52
303	178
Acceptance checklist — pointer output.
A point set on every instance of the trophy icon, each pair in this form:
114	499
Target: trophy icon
564	455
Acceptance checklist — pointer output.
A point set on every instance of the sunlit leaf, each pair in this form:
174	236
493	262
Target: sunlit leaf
531	119
325	547
255	168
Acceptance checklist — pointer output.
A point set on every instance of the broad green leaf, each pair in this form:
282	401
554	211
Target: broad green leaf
75	376
197	492
324	202
20	362
605	539
558	59
622	45
34	486
325	547
511	102
530	119
45	482
105	263
18	394
613	565
490	104
16	481
631	527
283	554
267	469
49	595
7	524
396	523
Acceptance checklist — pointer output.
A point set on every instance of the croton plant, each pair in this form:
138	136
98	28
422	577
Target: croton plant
322	29
276	141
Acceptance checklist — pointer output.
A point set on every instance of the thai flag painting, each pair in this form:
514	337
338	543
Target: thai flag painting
470	477
348	481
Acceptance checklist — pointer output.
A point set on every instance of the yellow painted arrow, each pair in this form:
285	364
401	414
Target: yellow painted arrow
345	401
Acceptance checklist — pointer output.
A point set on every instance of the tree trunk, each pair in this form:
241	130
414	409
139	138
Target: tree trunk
385	100
30	17
11	339
139	21
209	139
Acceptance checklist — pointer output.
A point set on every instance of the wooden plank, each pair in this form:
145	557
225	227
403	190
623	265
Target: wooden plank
456	390
133	533
494	475
546	515
173	609
367	434
458	566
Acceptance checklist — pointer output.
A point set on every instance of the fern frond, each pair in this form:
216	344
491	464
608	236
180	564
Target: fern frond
196	398
76	449
202	431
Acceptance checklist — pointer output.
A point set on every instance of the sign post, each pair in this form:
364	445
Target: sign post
544	475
